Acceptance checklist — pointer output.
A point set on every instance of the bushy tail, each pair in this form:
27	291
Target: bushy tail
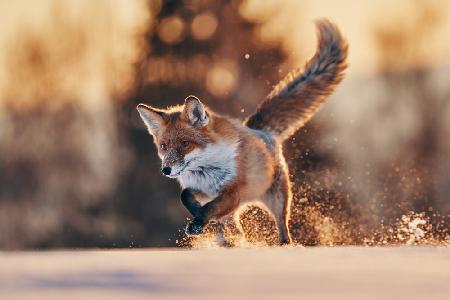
300	94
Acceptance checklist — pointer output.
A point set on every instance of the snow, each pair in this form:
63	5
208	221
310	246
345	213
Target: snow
408	272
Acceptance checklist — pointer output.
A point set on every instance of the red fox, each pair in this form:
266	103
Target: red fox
222	163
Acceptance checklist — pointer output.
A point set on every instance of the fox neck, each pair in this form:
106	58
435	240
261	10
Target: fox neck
210	168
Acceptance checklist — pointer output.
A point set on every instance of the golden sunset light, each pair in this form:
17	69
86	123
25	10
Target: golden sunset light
311	137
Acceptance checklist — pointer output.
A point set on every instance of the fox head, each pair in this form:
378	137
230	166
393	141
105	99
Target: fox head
179	133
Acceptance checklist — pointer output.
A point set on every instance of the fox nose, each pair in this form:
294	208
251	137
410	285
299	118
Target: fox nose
166	170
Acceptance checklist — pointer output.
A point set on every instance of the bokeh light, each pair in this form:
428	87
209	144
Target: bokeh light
203	26
78	169
171	30
221	78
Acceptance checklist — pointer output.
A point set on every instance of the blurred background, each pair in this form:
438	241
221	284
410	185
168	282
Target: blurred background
78	169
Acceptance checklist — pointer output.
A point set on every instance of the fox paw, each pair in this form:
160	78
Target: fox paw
194	227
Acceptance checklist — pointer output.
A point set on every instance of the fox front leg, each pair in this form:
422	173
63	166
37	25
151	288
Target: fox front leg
224	204
190	202
194	207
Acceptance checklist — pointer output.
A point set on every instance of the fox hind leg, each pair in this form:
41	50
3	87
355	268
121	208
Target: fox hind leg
230	231
278	201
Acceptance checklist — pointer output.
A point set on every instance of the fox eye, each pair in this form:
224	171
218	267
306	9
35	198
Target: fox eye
163	147
184	144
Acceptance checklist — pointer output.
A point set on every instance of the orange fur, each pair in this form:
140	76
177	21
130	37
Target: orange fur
301	93
222	163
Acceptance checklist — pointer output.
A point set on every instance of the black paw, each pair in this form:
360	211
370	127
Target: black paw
285	242
194	227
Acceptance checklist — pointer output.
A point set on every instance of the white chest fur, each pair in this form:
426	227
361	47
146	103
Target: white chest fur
211	168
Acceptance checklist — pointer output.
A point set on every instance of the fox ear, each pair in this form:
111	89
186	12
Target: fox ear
152	117
195	112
